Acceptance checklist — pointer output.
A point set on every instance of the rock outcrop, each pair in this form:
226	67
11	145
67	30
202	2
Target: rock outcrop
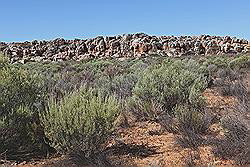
128	45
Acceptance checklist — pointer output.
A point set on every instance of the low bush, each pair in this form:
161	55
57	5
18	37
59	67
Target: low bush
216	63
20	98
219	61
172	83
21	136
191	123
146	110
235	145
84	103
192	119
18	87
80	122
189	139
170	93
122	85
229	83
240	62
3	61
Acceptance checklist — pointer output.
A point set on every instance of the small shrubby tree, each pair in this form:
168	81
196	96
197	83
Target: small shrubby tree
80	122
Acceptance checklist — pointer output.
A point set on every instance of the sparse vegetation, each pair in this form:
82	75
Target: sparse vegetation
235	145
71	107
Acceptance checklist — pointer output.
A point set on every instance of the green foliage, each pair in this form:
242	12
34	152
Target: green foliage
235	144
240	62
145	110
214	63
3	61
80	122
191	119
17	87
172	83
20	133
219	61
123	85
20	94
229	83
155	87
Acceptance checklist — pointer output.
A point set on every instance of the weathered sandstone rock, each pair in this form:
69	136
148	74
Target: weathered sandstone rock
127	45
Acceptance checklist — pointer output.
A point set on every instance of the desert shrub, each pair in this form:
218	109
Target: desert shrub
138	66
192	119
224	65
239	90
170	93
240	62
212	69
70	77
113	70
43	68
80	122
223	87
118	80
219	61
191	123
21	95
235	144
123	85
146	110
172	83
111	77
189	139
222	62
229	83
103	84
97	65
21	136
18	87
3	61
59	84
107	76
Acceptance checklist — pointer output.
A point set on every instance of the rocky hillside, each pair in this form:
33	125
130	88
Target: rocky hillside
129	45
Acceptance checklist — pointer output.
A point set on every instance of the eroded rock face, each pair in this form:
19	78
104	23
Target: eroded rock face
128	45
247	48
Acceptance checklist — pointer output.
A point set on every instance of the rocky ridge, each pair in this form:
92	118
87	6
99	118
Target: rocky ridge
123	46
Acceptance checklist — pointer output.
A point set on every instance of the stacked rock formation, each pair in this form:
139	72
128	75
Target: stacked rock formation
123	46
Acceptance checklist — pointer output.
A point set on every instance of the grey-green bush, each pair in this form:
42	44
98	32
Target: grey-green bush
171	83
18	87
240	62
18	134
191	119
235	144
80	122
20	96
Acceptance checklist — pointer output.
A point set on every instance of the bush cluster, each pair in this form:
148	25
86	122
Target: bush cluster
71	107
